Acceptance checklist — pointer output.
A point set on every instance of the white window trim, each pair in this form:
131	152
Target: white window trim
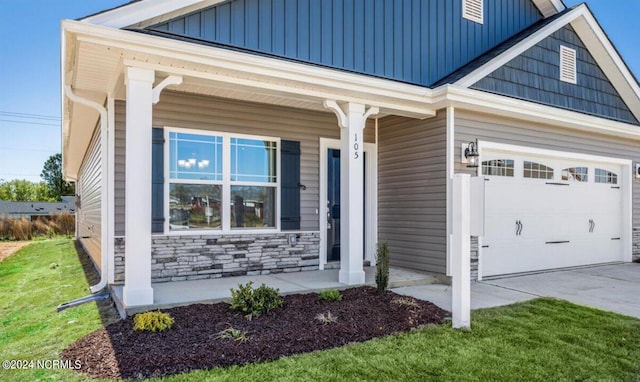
466	15
568	65
226	184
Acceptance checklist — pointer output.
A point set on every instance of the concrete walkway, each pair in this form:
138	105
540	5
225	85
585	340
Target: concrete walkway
614	288
170	294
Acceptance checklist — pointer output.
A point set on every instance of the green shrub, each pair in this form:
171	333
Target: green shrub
255	302
232	333
382	267
330	295
152	321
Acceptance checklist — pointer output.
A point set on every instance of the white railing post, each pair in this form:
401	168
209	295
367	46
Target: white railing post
461	251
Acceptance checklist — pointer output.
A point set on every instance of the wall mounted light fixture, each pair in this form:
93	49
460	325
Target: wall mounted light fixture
470	154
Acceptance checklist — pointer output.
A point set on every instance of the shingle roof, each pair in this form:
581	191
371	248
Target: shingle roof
37	208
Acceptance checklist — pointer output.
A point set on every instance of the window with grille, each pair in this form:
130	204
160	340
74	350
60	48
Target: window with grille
535	170
498	167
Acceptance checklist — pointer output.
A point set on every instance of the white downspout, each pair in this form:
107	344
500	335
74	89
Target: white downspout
104	256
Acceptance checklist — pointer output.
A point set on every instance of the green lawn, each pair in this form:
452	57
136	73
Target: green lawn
541	340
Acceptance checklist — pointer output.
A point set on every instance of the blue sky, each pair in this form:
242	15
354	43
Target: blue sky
30	71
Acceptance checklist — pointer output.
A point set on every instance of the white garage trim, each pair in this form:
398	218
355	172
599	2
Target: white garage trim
486	147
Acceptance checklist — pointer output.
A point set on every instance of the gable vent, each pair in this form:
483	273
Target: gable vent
473	10
568	65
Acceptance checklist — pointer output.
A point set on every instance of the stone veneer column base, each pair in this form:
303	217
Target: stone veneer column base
636	245
195	257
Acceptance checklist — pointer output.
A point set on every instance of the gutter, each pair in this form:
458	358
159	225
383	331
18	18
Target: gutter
104	258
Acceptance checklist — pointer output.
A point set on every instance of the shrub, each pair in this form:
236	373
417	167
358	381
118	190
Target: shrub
405	301
5	228
330	295
382	267
326	318
255	302
152	321
232	333
41	228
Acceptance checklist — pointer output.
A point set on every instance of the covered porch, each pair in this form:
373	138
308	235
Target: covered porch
208	291
129	73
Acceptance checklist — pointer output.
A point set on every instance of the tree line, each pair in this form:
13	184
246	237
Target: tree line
51	188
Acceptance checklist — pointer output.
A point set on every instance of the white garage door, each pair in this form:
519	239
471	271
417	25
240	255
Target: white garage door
544	213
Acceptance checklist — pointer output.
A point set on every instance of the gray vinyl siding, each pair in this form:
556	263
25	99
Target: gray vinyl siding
469	126
412	191
89	189
216	114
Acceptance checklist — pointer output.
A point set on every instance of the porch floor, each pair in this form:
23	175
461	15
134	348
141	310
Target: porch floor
170	294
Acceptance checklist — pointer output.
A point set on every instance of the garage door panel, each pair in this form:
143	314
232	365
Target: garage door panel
534	224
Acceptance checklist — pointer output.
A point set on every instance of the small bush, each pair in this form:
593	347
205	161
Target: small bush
330	295
255	302
382	267
326	318
232	333
152	321
405	301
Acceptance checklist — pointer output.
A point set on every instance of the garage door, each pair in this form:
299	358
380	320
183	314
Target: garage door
544	212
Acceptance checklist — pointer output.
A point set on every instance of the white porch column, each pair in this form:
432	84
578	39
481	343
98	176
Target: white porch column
137	268
461	251
351	118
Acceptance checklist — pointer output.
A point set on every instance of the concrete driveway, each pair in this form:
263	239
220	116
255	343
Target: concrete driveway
614	288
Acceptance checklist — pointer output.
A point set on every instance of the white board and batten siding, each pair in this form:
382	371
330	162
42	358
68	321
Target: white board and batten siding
89	189
545	221
412	191
197	112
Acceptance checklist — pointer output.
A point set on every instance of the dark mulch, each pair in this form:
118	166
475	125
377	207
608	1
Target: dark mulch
119	352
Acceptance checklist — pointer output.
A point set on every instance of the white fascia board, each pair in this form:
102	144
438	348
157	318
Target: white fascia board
549	8
137	12
477	100
605	54
519	48
267	71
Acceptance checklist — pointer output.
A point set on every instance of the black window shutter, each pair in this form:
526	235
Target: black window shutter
290	185
157	181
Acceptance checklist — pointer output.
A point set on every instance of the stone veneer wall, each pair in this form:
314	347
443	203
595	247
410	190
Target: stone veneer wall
474	258
636	244
194	257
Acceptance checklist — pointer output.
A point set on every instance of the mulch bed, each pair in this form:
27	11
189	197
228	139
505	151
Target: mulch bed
119	352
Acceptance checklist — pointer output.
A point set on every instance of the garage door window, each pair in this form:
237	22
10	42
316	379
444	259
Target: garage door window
498	167
537	171
605	176
576	174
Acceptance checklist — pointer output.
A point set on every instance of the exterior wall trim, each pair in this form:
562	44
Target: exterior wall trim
626	182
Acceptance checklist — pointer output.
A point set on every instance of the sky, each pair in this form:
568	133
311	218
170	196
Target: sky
30	71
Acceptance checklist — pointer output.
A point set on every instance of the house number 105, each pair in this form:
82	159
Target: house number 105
355	147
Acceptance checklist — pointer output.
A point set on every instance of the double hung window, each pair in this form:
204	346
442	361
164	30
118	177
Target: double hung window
220	181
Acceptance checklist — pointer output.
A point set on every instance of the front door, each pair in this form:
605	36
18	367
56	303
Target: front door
333	204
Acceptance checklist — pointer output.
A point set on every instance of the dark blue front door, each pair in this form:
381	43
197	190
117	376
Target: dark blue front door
333	204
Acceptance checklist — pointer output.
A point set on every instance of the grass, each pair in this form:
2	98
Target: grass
540	340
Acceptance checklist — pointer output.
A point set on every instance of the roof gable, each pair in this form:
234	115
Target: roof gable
535	75
588	32
416	42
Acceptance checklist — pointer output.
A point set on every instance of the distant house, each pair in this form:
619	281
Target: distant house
215	138
32	210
